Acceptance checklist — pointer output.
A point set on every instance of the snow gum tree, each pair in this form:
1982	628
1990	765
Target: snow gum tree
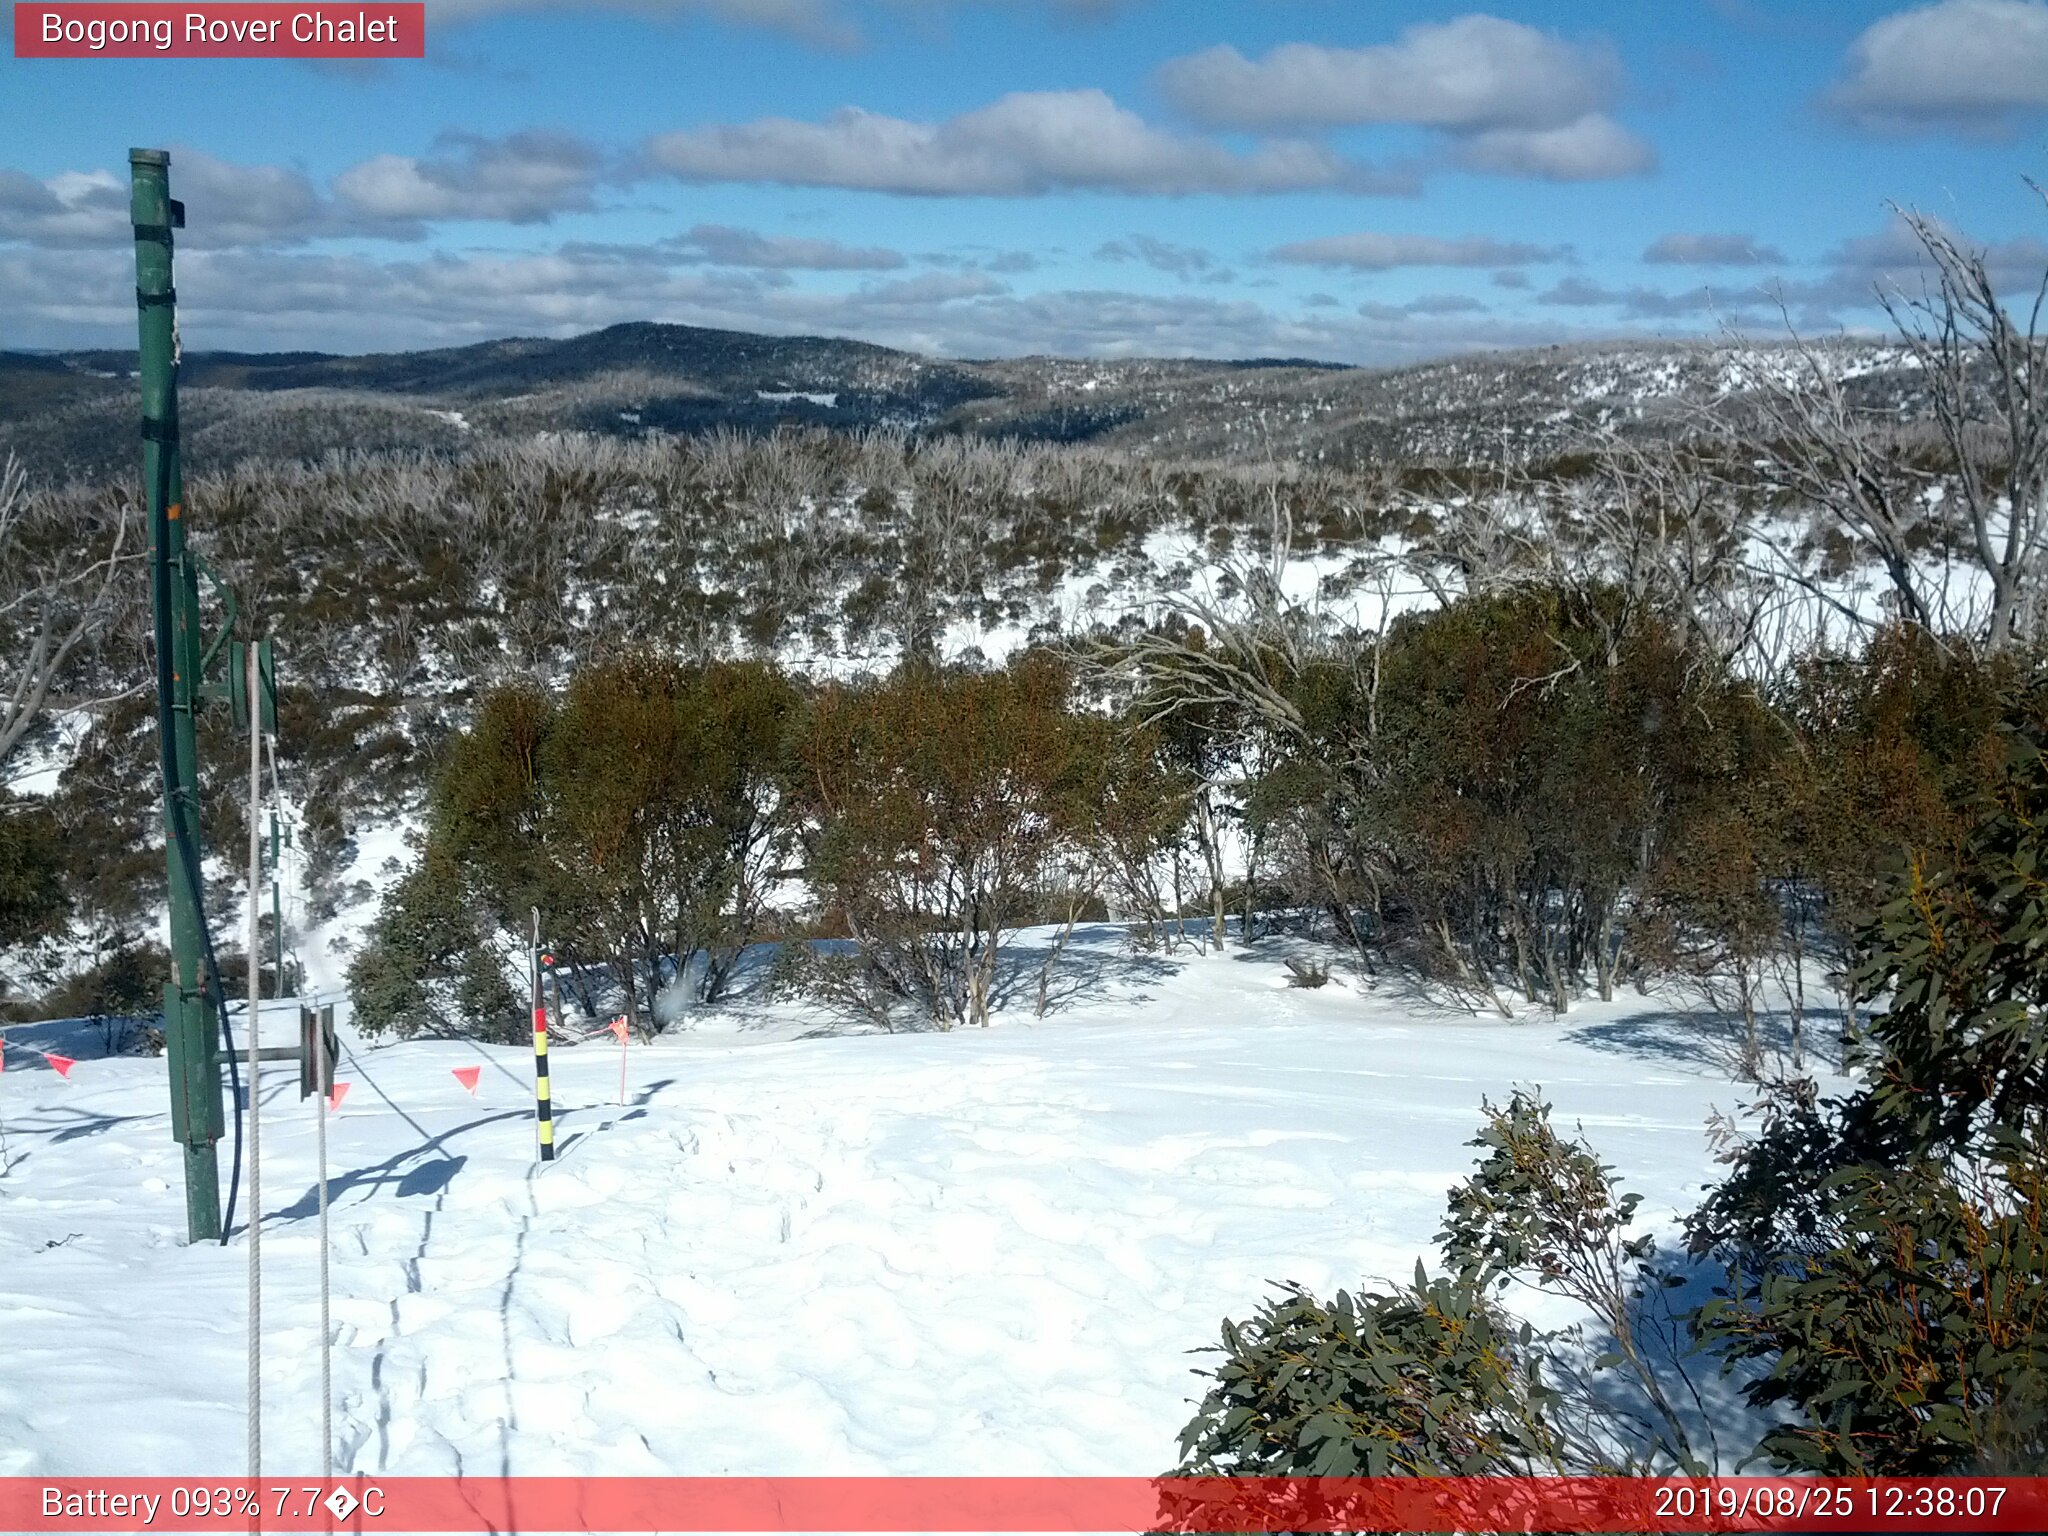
55	601
1481	790
643	813
1437	1378
1967	492
944	804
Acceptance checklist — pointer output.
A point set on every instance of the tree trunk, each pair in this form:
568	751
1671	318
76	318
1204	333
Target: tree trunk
1475	980
1213	856
981	979
1251	865
1052	957
1799	986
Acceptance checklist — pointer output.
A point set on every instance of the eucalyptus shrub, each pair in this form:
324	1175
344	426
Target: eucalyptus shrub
1887	1258
1436	1378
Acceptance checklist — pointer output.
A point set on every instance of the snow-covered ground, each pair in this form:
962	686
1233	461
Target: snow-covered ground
987	1251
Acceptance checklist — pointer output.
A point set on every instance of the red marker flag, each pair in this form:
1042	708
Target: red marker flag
619	1029
340	1092
467	1076
61	1065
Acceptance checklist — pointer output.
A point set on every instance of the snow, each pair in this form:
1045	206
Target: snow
44	764
827	398
982	1252
382	850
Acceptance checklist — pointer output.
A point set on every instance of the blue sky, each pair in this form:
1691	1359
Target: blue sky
1367	183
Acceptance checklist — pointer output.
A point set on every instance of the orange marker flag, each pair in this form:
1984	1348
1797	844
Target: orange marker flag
619	1028
340	1092
467	1076
61	1065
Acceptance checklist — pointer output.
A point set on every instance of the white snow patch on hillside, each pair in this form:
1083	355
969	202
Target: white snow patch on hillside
41	768
384	850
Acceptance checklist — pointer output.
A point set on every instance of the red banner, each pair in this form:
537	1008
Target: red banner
1007	1504
233	31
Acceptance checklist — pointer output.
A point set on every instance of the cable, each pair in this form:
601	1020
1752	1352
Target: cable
255	1070
174	796
322	1073
193	883
277	874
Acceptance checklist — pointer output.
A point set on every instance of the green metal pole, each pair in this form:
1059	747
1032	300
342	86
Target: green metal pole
191	1018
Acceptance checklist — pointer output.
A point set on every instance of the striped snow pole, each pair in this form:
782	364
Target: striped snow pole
544	1105
543	1097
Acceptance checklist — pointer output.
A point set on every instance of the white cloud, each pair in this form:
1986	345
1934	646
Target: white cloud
1968	64
1583	293
1423	304
1510	98
724	246
1592	148
1471	73
1024	144
931	288
1696	250
226	204
1894	259
1845	290
229	204
1377	252
524	178
72	208
1160	255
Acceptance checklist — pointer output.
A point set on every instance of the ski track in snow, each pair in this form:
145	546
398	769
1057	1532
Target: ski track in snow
988	1251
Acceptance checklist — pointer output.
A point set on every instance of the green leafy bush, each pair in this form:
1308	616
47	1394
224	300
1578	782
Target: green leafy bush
1888	1267
1431	1379
1436	1378
1912	1341
33	902
642	812
426	966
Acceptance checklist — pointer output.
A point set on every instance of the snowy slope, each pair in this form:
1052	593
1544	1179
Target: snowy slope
977	1252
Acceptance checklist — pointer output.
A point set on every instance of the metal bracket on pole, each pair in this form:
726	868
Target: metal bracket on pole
318	1043
237	689
316	1051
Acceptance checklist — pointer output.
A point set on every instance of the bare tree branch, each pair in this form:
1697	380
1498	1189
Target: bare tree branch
56	610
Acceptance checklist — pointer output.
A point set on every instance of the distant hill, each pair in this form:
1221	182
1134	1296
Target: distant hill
69	413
